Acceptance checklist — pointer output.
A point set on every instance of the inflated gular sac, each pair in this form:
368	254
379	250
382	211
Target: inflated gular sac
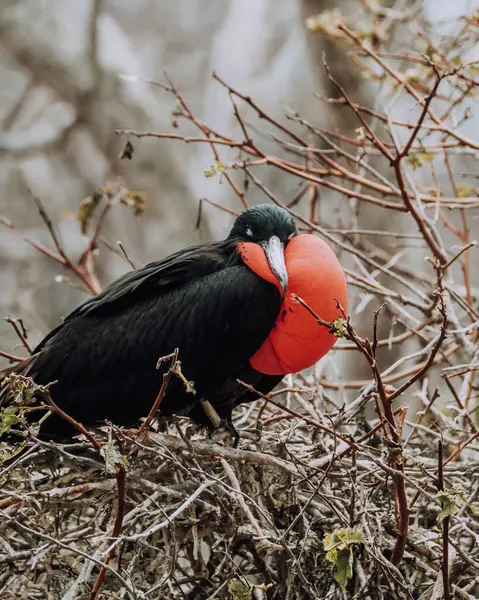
315	275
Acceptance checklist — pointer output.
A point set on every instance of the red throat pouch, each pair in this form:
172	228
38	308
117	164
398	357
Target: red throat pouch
315	275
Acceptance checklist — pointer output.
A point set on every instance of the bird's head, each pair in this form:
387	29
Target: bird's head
270	228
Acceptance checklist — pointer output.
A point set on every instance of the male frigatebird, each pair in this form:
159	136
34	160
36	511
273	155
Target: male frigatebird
227	306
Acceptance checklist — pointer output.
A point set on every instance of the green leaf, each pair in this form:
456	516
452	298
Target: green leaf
464	191
114	195
113	459
240	590
87	209
21	390
414	160
135	200
339	546
218	167
344	567
450	501
338	327
210	172
426	156
417	159
9	417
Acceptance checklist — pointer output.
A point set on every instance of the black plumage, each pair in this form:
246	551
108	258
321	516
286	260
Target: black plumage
203	300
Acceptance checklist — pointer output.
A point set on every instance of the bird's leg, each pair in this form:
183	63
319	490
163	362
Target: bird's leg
218	422
228	424
211	413
162	424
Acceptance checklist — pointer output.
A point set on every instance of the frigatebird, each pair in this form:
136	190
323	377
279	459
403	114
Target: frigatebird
226	306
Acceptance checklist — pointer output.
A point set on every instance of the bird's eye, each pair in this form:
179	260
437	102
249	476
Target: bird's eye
249	232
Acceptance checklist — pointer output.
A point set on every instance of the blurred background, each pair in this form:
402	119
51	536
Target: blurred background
71	73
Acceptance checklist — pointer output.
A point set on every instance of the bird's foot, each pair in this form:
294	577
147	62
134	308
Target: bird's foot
228	424
224	428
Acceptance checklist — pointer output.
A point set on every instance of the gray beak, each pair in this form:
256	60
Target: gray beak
274	250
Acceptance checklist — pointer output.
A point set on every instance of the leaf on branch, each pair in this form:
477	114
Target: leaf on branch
114	195
339	546
426	156
464	191
218	167
451	501
416	160
239	590
21	390
338	327
9	417
135	200
113	459
87	209
433	191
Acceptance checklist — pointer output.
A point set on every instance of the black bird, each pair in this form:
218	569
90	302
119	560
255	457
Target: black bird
203	300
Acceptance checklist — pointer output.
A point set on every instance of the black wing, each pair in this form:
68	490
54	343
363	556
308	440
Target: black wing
152	279
105	353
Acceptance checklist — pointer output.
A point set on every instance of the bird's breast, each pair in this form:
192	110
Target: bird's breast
315	275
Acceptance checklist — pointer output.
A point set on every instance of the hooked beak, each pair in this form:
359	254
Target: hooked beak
274	250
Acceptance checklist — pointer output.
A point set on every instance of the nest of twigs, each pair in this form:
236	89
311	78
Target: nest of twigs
306	511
